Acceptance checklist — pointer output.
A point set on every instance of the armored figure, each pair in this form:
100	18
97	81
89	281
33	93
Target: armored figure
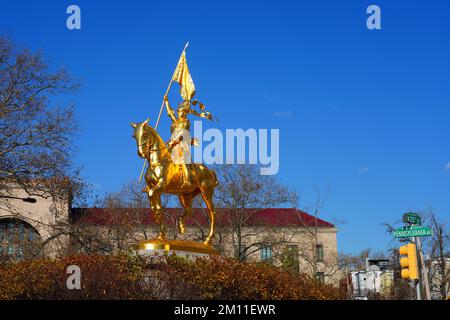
180	142
170	169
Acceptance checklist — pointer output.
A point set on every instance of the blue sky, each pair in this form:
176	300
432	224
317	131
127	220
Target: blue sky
364	112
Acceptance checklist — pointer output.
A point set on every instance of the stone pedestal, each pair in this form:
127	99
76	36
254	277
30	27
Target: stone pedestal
182	248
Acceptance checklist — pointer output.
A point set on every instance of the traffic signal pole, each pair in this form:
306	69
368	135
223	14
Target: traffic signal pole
413	263
418	281
410	265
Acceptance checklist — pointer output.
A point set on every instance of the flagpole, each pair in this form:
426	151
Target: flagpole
161	109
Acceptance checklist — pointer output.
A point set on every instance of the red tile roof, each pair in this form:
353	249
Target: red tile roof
254	217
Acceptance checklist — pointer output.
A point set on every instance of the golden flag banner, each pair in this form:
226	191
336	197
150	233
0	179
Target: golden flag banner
183	77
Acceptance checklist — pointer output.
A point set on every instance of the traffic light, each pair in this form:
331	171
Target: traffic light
409	265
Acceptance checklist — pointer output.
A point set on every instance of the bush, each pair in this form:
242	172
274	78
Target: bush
127	276
226	278
102	277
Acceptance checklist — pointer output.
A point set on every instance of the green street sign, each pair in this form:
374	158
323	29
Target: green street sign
412	218
413	231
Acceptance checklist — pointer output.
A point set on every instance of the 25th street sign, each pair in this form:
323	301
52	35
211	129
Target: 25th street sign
413	231
411	217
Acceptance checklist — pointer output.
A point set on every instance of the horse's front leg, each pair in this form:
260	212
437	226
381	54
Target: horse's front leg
159	176
186	202
158	214
154	195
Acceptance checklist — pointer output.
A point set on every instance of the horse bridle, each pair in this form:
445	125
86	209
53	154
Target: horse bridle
150	149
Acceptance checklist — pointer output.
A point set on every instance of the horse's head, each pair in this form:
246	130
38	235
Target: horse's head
143	136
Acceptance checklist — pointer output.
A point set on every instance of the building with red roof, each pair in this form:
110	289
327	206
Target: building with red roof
282	236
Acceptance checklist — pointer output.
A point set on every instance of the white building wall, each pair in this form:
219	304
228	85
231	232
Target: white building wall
42	214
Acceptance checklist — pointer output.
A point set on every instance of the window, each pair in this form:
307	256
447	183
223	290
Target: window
320	277
266	253
319	253
18	239
290	258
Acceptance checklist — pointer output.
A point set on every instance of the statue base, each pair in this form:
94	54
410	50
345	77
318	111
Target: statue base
186	248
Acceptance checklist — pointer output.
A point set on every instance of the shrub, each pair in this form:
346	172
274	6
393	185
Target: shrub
227	278
128	276
102	277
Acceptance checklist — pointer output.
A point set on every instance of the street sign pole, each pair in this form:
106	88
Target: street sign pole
414	231
418	282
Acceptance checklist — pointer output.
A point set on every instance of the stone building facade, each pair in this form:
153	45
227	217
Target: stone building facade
27	223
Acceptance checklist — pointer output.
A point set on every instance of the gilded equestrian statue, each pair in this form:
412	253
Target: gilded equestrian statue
164	175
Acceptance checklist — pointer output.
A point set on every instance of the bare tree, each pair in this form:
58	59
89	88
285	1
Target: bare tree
35	136
312	250
125	221
126	215
438	252
356	262
436	249
401	289
131	195
242	193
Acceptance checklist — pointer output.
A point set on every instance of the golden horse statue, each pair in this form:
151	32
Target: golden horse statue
163	175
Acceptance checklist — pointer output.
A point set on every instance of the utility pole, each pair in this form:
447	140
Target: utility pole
423	269
417	282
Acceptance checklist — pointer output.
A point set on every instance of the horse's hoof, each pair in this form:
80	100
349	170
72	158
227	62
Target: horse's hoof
161	237
181	228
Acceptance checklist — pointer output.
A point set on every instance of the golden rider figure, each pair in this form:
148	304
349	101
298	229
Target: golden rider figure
180	130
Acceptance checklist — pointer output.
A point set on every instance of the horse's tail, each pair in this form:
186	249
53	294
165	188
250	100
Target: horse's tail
215	178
